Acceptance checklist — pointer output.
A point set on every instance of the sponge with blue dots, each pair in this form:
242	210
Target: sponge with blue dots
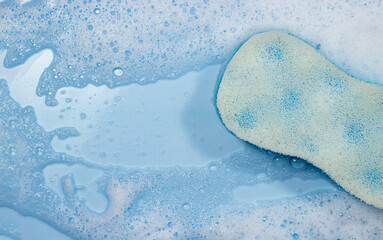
279	93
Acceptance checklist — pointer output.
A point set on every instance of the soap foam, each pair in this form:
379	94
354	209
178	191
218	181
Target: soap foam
168	203
92	40
148	42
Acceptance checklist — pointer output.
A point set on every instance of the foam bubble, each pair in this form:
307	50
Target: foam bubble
118	72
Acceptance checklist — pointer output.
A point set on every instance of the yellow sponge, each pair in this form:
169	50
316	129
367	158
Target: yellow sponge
280	94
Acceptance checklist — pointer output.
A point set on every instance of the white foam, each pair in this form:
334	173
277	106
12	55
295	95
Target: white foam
16	226
161	40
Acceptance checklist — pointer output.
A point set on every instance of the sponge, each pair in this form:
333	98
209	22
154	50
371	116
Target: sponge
279	93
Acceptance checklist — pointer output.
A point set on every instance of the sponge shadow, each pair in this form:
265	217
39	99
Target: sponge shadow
205	130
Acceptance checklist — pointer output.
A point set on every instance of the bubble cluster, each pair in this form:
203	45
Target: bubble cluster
92	39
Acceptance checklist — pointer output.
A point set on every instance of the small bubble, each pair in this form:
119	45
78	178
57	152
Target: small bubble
295	236
193	11
39	151
118	72
70	220
127	53
90	27
68	100
170	224
12	151
82	116
278	161
97	11
213	167
186	206
297	163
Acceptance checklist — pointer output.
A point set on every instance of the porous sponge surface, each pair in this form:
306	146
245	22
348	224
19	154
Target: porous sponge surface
279	93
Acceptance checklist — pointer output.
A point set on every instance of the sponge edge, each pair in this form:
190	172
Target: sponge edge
278	93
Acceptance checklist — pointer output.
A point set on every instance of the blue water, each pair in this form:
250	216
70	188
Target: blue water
108	128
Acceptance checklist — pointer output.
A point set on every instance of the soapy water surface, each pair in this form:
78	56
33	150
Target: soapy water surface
153	161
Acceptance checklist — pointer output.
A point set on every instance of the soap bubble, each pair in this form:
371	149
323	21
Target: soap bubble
297	163
186	206
118	72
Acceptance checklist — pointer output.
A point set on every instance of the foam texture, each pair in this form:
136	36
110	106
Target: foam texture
116	43
278	93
